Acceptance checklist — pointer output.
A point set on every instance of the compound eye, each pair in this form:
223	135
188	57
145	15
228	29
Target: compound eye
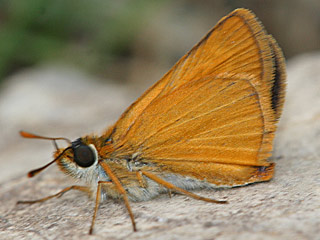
84	156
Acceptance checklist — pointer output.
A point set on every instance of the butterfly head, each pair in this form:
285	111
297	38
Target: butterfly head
79	159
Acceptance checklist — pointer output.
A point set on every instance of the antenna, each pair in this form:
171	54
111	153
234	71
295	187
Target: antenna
31	135
54	139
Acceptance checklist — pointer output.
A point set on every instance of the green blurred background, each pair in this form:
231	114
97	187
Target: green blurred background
135	40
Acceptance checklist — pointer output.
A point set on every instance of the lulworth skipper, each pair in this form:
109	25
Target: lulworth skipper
209	122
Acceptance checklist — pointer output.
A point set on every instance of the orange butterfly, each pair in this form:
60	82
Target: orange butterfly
209	122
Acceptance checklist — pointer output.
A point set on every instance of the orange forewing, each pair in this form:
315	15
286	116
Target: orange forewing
214	114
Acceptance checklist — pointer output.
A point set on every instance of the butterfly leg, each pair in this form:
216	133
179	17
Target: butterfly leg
98	198
170	186
142	182
121	191
170	193
59	194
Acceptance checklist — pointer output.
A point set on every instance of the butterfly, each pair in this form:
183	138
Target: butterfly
208	123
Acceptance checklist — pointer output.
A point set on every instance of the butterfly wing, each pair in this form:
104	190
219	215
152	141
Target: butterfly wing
216	110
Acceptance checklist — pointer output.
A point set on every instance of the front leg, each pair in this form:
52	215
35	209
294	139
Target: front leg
59	194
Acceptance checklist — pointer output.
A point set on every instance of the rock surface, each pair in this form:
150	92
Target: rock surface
58	102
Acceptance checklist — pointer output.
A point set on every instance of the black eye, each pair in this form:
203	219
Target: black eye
83	156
